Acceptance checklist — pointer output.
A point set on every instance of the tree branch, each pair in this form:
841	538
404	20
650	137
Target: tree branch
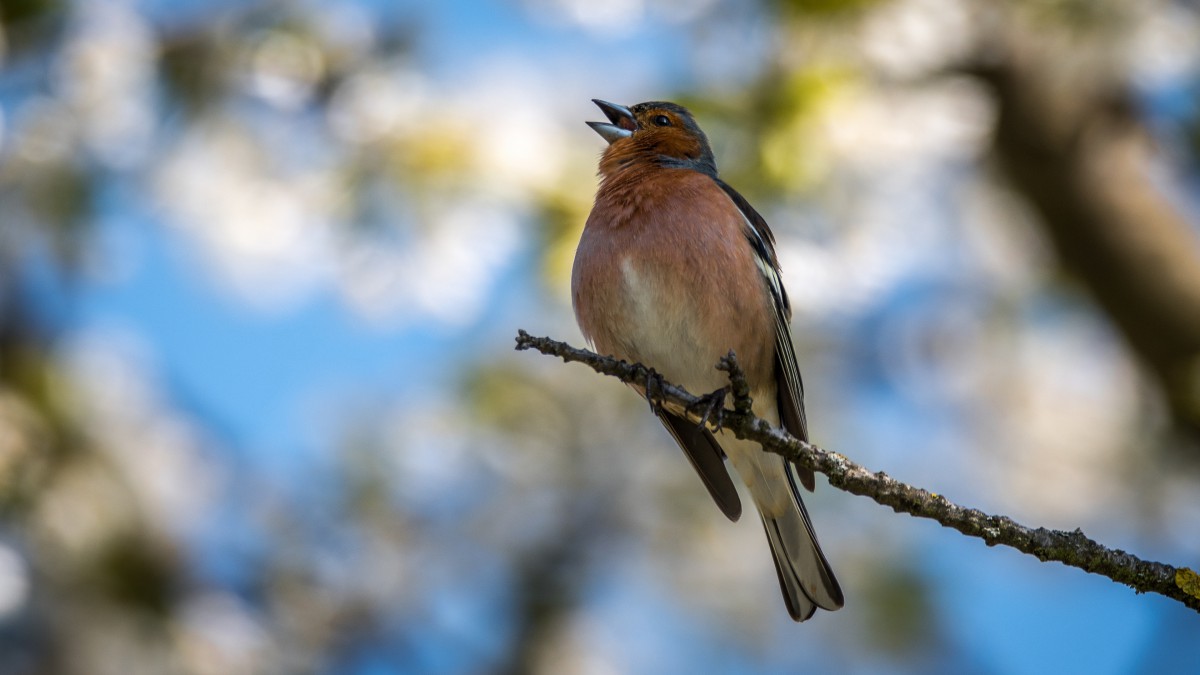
1080	155
1069	548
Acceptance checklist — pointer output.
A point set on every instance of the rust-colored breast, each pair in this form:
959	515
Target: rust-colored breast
664	275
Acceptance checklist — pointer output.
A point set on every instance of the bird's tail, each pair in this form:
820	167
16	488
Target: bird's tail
805	577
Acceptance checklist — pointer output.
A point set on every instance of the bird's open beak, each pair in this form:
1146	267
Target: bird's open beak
623	124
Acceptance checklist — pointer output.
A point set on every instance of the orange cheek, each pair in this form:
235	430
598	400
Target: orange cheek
678	145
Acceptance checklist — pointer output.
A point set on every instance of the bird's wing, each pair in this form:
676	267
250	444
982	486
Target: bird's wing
788	385
708	459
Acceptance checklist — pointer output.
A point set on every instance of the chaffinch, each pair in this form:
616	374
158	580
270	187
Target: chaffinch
674	269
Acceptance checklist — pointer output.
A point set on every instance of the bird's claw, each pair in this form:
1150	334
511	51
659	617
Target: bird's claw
713	405
654	390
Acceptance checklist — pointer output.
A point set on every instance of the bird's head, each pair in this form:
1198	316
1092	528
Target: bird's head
656	130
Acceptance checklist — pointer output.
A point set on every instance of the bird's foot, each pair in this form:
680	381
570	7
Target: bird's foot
654	390
713	407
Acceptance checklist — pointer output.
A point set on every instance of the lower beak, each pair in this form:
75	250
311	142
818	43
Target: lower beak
622	121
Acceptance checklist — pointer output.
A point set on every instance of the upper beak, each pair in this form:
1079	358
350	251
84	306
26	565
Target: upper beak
623	124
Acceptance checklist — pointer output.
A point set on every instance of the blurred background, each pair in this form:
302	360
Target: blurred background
262	263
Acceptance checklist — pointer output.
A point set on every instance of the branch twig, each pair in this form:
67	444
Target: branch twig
1069	548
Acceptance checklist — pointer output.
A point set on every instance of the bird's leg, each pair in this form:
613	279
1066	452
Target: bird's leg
713	405
654	390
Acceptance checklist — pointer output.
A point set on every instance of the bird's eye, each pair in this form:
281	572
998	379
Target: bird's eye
661	121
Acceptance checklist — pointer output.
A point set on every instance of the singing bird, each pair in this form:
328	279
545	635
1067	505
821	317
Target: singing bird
673	270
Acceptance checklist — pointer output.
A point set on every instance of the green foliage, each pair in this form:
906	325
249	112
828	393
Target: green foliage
827	9
28	24
195	70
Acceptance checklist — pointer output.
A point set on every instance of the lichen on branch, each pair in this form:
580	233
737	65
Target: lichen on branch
1069	548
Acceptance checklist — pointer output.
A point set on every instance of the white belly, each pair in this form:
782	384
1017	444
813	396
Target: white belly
663	332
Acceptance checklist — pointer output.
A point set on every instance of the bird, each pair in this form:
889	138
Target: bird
674	269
